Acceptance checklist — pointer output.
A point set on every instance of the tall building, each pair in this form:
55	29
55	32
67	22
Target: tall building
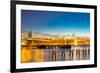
24	34
30	34
73	34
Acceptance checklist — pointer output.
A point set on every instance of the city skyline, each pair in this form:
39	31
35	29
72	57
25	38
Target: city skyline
52	22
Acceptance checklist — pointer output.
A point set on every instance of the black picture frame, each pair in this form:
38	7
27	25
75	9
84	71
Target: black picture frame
13	35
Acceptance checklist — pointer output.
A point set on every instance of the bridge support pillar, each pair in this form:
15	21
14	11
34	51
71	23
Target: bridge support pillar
53	55
74	54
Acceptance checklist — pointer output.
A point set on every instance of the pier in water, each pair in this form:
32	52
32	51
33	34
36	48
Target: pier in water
59	54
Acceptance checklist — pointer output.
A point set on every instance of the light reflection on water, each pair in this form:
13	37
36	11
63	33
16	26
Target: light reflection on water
60	54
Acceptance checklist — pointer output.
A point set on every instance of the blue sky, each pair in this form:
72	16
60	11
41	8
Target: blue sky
53	22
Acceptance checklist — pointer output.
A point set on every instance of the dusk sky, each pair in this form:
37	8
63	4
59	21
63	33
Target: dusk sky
52	22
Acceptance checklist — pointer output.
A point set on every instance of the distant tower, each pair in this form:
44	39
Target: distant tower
73	35
30	34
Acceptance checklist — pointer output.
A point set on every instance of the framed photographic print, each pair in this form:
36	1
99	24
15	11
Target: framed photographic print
52	36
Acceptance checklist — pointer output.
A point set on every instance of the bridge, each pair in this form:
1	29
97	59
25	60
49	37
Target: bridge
70	43
55	43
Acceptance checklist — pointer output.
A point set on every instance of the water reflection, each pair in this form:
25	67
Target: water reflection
60	54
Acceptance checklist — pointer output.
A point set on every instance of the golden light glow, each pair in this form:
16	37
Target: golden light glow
30	44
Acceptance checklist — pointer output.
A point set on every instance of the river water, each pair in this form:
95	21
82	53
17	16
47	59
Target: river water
60	54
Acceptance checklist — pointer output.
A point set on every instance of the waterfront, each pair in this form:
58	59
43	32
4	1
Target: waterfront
46	50
61	54
48	36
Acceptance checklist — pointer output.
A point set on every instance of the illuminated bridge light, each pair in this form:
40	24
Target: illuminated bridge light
77	48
